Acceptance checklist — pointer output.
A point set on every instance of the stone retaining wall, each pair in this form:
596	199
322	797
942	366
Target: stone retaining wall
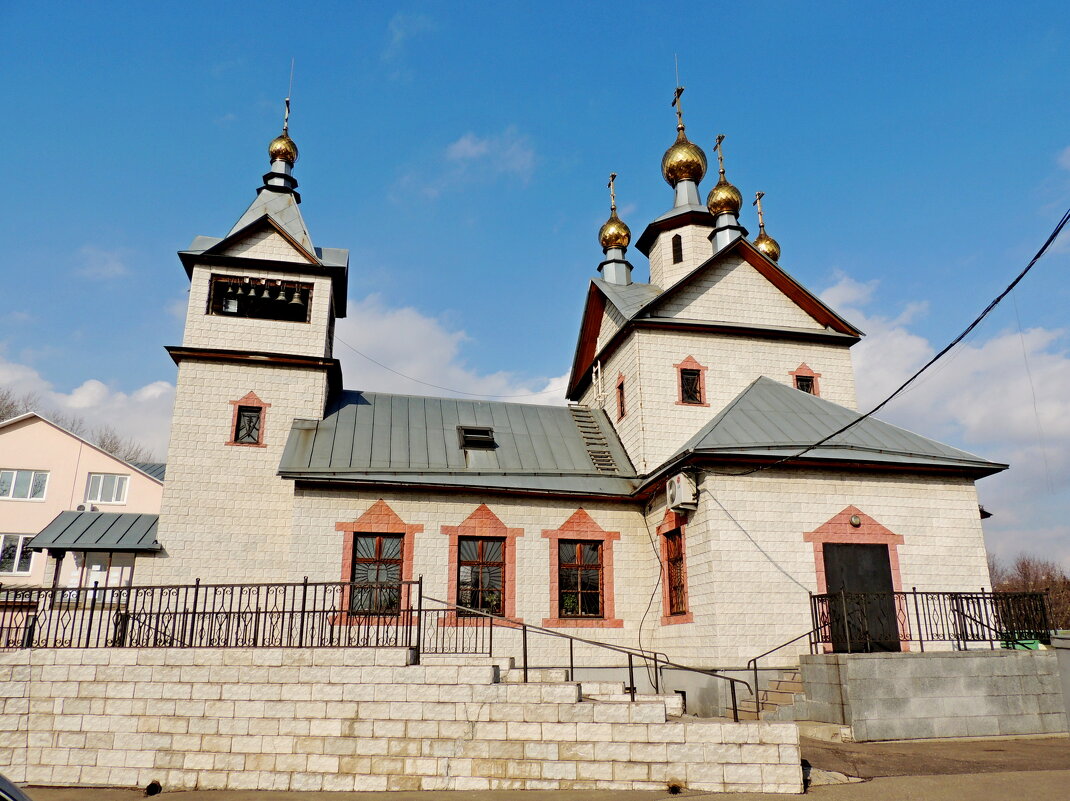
354	719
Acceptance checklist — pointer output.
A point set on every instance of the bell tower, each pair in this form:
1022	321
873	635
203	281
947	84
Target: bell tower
256	353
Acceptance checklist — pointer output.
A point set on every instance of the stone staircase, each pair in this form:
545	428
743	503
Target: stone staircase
782	692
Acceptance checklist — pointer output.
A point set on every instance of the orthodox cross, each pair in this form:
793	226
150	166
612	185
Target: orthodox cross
286	118
612	192
678	106
720	153
758	202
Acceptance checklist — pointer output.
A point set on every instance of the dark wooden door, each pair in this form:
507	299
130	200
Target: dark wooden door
862	607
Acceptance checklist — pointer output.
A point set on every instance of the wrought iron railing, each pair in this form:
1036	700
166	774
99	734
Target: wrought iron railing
885	621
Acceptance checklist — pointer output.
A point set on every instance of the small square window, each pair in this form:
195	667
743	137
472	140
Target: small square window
805	383
247	426
690	386
476	437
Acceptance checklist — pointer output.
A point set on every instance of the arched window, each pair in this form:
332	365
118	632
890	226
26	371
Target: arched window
677	249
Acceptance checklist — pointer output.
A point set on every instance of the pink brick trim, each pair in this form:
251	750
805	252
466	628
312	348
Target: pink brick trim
691	364
839	530
581	526
482	523
250	399
804	370
378	519
671	522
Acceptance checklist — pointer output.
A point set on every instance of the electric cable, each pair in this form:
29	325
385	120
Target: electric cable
966	332
445	389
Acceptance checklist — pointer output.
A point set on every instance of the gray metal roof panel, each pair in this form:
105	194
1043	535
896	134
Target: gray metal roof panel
774	419
628	299
99	531
283	209
416	437
157	470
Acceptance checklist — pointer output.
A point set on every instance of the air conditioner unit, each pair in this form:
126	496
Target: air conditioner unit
86	507
681	495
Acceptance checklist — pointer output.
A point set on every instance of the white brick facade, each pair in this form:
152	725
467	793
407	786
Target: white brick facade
697	248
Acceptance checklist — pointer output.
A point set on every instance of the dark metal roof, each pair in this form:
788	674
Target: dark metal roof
99	531
155	469
401	439
770	419
630	298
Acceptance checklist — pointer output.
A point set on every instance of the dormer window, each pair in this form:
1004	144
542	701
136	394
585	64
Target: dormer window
476	437
259	299
677	249
806	380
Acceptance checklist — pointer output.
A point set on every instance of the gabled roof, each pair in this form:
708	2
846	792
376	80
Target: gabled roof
770	420
413	440
99	531
141	467
282	208
641	303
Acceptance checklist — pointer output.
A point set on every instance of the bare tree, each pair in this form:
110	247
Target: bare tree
12	404
1030	573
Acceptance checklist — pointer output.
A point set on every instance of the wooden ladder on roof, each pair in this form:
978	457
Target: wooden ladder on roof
594	439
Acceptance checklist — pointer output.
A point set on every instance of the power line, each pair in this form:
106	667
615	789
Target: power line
444	389
965	333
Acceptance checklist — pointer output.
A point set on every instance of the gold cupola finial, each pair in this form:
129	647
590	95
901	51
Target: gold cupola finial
614	233
684	160
282	147
765	243
723	198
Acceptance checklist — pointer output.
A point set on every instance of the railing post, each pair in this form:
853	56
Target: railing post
917	619
735	703
304	611
193	614
571	660
657	676
92	612
631	675
757	702
524	649
419	616
846	625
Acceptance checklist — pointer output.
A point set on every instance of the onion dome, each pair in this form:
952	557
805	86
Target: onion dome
614	234
724	198
684	161
767	245
283	148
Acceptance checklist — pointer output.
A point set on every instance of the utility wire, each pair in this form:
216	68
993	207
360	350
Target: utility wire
444	389
965	333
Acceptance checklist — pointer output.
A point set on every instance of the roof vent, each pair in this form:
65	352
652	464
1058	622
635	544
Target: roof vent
476	437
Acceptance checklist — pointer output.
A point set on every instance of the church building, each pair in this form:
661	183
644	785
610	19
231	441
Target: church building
675	503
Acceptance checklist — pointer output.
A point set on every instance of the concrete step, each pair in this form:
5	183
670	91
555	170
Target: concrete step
593	688
776	697
786	686
535	675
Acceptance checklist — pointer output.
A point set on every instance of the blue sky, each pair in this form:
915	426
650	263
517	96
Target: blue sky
913	157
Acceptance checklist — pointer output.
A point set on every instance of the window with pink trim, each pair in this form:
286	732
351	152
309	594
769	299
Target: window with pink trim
377	553
806	380
482	566
247	421
690	383
581	574
671	531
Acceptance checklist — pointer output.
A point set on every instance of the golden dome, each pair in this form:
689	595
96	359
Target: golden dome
684	161
282	148
767	245
614	234
724	198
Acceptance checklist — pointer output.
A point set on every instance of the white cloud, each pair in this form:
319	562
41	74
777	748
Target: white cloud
401	29
474	158
980	397
100	263
143	415
1064	158
422	347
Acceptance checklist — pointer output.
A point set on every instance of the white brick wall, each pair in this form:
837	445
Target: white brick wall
265	244
697	248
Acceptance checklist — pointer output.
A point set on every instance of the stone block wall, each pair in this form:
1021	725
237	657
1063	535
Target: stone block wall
354	719
945	694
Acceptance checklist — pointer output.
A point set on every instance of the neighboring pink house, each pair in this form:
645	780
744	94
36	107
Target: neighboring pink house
111	508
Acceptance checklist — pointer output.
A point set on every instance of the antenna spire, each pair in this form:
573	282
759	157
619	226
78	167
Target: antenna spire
289	93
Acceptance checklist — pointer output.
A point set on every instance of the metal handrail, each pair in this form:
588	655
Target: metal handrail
659	658
752	664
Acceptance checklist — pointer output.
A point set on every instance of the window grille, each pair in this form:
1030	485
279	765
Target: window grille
805	383
691	386
247	426
481	574
579	578
674	567
376	574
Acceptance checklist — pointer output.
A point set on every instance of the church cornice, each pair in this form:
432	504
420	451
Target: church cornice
332	367
662	224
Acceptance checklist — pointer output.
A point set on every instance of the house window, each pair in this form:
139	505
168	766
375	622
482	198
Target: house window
247	423
621	409
476	437
677	249
481	574
805	383
15	557
376	574
676	579
260	299
106	488
247	426
806	380
579	578
23	485
690	386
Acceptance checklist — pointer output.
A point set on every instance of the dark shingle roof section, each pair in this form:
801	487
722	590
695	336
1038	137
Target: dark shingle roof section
628	299
770	419
404	439
155	469
99	531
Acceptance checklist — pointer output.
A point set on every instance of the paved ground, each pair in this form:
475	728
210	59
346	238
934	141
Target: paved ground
946	770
